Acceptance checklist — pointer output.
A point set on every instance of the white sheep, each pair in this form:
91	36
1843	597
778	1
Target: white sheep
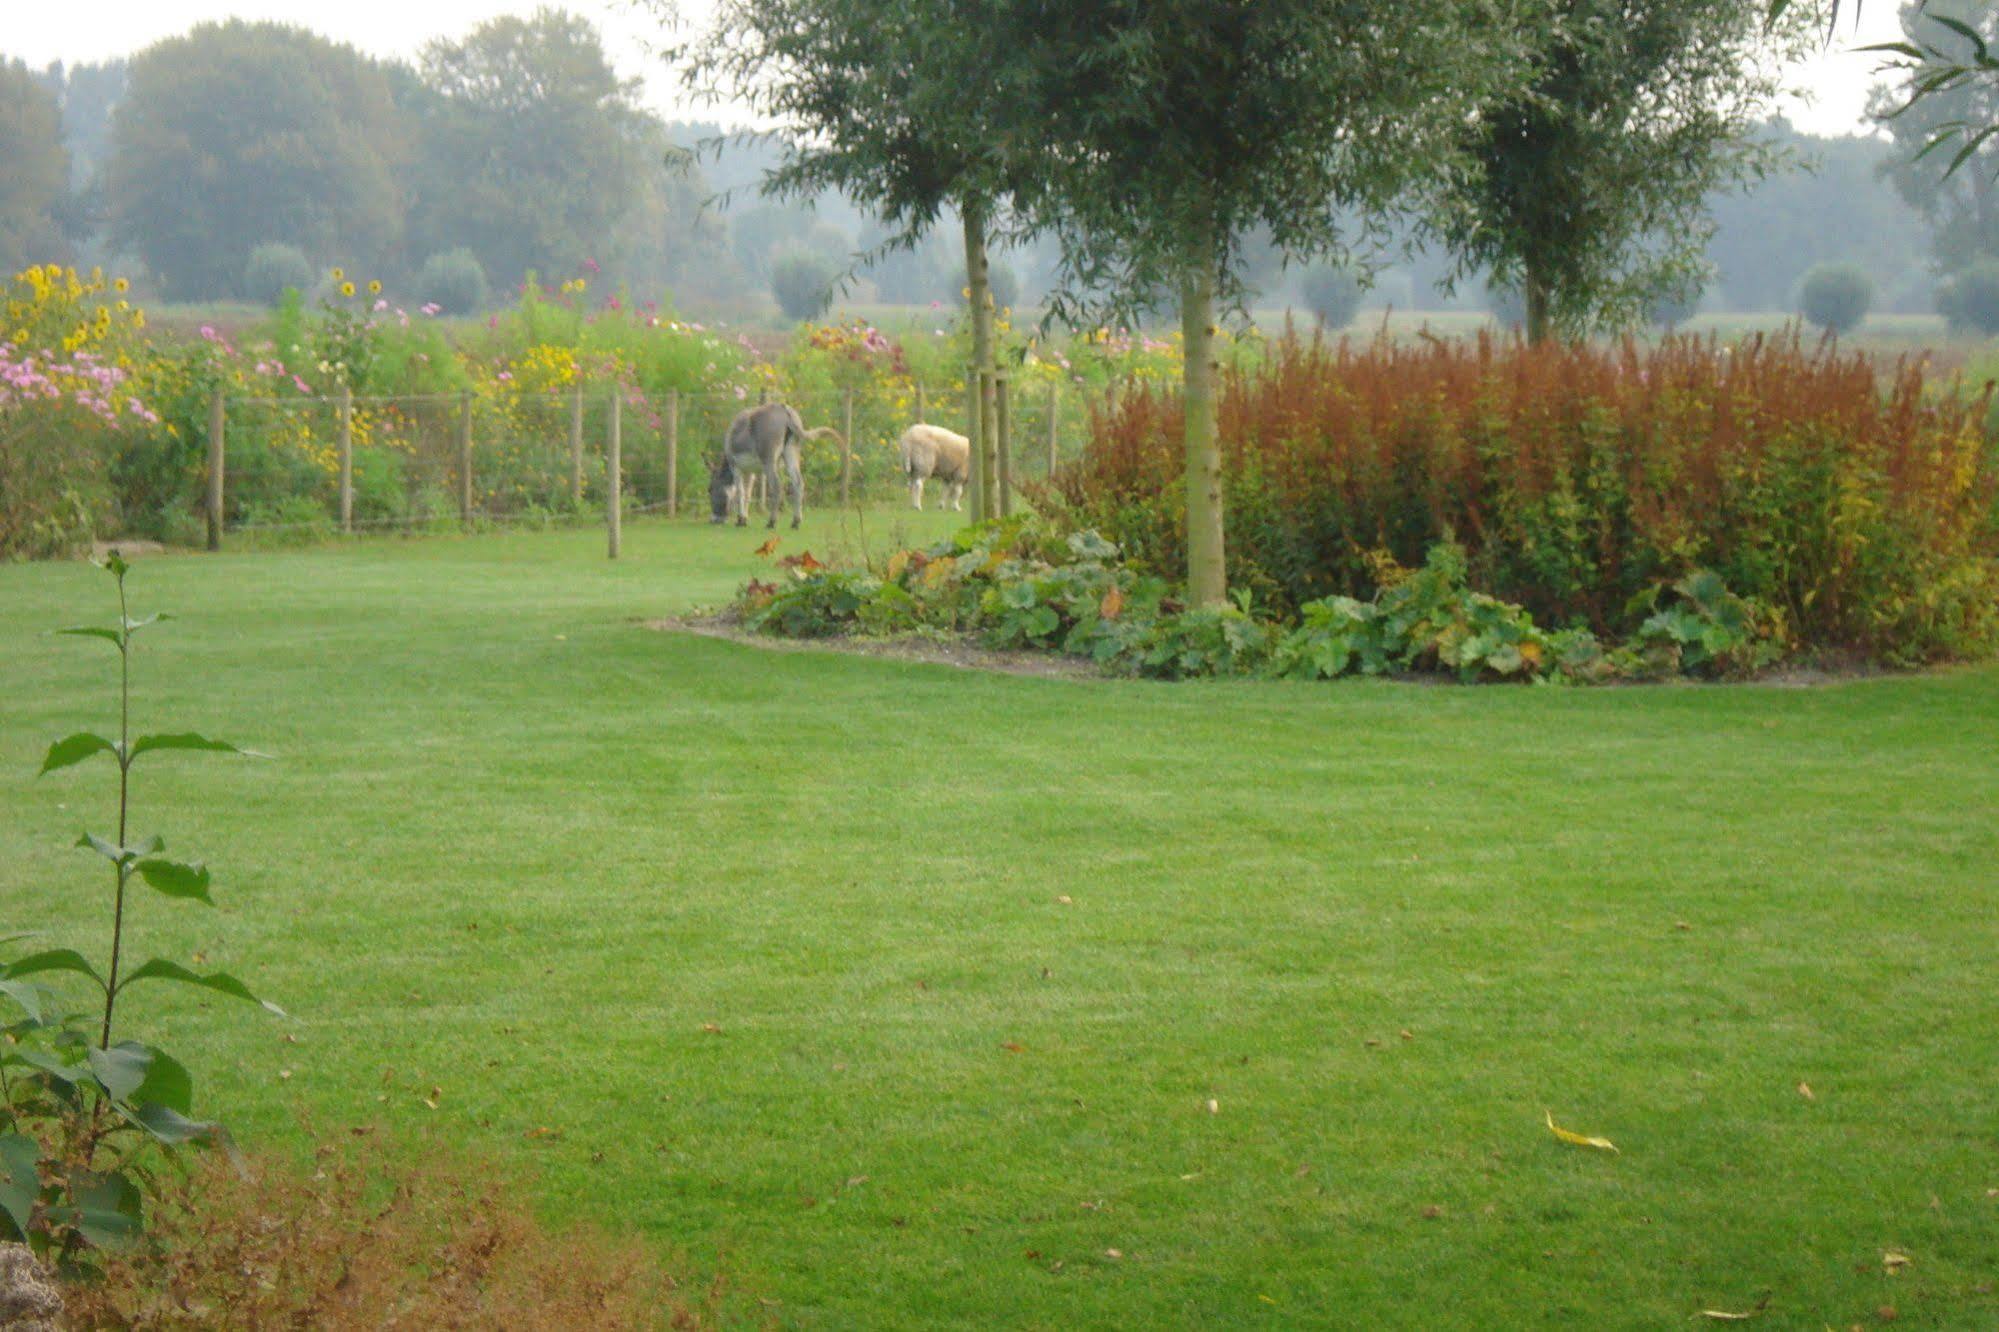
932	451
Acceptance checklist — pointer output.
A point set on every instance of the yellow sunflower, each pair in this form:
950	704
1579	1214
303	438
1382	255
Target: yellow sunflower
346	289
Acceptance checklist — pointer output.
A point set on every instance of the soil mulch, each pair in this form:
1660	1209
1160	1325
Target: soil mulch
934	651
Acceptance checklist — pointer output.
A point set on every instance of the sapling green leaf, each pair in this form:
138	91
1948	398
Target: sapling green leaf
74	749
111	636
121	1069
54	959
189	740
219	981
177	878
20	1179
121	855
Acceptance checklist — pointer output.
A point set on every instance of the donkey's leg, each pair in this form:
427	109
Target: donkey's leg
796	476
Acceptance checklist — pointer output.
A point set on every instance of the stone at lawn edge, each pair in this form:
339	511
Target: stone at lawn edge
29	1300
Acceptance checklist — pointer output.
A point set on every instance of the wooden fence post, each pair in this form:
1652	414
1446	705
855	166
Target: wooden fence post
465	459
1004	417
215	428
576	447
614	475
1054	415
975	404
347	459
673	453
921	411
986	463
846	446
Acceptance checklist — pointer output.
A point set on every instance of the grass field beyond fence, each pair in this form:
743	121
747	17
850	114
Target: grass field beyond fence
913	997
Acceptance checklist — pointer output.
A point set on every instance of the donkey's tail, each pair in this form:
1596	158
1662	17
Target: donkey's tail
826	432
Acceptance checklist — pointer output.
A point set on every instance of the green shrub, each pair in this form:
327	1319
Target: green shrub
802	281
1332	293
1969	298
1836	297
454	281
273	270
1860	508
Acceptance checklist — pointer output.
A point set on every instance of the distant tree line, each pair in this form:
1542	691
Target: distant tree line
519	148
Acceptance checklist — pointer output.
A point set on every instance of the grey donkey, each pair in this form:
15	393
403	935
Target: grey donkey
760	441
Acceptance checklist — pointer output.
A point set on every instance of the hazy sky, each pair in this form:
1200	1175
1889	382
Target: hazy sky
40	31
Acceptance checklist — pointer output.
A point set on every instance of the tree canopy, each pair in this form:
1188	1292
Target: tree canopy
238	134
1948	166
1591	177
36	176
533	146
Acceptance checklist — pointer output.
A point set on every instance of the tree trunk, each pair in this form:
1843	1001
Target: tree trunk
984	417
1207	576
1540	325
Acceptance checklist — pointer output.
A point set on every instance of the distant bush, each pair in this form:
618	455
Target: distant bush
272	270
1669	312
454	281
1332	293
1508	305
1969	298
1580	481
1003	280
802	281
1836	297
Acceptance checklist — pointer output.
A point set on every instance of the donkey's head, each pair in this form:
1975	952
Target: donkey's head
721	482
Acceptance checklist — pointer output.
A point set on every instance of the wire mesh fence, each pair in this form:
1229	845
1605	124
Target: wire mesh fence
447	462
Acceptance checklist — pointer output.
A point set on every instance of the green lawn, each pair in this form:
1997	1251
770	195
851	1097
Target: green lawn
982	952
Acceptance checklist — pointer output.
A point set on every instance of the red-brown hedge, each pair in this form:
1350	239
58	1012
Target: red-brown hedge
1857	500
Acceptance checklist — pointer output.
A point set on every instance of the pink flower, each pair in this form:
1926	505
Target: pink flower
506	376
741	393
492	321
301	385
590	266
431	308
381	304
208	332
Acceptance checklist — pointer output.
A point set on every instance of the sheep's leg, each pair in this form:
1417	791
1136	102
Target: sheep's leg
916	492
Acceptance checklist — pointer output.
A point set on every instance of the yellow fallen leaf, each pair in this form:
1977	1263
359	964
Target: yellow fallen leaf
1805	1090
1894	1262
1729	1316
1577	1139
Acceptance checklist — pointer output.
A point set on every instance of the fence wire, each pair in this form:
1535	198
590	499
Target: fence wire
420	463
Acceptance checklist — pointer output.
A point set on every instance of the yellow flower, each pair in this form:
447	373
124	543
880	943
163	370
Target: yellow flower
121	286
375	287
346	288
339	275
138	319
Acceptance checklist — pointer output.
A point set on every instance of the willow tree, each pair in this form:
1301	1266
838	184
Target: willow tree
1173	130
899	105
1591	177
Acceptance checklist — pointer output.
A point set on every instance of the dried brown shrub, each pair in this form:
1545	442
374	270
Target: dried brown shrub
365	1239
